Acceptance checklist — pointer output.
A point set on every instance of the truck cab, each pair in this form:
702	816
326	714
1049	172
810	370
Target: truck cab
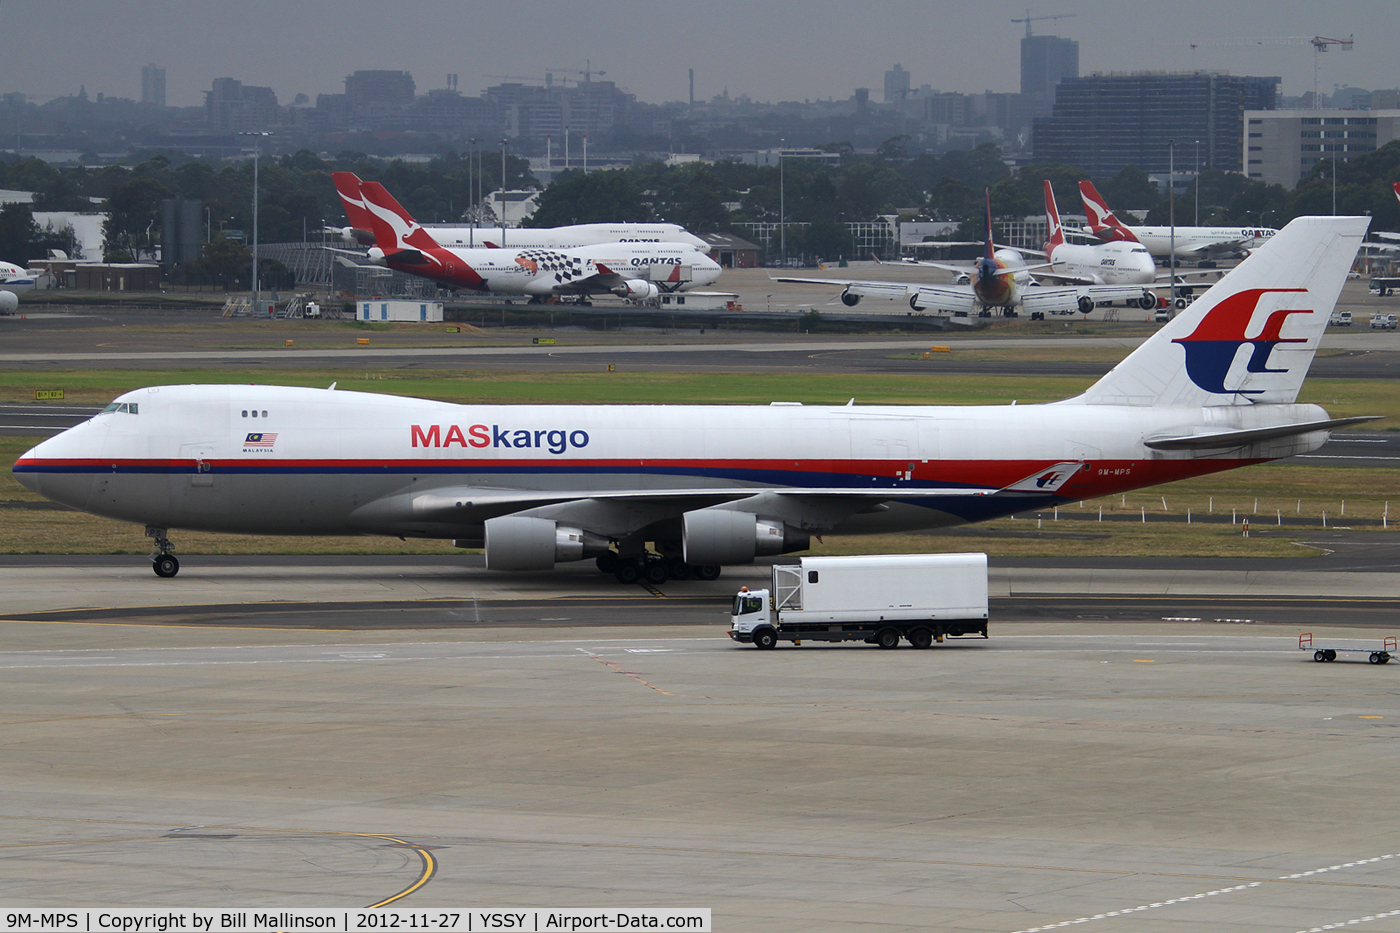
752	611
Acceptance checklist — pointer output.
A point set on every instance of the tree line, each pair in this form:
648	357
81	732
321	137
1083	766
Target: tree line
297	197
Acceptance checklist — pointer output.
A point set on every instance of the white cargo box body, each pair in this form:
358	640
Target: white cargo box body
877	588
382	310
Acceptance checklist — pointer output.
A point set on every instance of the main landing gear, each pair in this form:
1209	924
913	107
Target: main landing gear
163	562
654	569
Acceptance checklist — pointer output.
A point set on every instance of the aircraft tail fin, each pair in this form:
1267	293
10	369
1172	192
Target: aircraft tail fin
347	185
1054	233
393	227
1102	222
990	247
1252	336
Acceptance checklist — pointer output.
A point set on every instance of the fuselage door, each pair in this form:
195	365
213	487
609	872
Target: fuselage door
201	456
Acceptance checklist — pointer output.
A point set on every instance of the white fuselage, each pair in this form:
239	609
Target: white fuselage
574	235
315	461
1105	263
540	271
1199	242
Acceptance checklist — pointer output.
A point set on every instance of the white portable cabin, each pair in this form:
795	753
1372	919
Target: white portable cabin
381	310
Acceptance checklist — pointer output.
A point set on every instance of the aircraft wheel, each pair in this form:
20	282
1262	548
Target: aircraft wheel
165	565
607	563
678	569
627	572
921	638
765	638
654	572
1319	655
708	571
887	638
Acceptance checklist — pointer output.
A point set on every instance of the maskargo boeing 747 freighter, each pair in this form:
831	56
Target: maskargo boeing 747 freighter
706	486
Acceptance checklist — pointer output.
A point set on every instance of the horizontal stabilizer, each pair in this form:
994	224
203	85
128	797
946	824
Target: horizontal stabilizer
408	257
1227	439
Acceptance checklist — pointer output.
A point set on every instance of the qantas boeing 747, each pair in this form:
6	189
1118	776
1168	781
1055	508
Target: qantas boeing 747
682	490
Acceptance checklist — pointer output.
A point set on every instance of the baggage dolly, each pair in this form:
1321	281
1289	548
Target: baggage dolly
1329	652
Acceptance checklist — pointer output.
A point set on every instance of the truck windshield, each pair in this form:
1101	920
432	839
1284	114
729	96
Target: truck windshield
744	604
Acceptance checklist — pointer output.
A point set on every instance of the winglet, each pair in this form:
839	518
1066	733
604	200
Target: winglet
1046	481
603	269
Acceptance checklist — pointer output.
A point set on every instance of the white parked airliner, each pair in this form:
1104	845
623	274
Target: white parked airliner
638	271
1197	243
14	281
704	486
360	230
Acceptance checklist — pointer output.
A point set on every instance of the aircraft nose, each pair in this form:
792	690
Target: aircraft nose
25	478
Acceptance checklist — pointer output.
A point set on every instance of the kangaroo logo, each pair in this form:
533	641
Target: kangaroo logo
1211	347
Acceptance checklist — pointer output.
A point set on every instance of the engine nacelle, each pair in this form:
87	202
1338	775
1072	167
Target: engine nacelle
9	302
637	290
848	299
522	542
962	279
723	536
376	256
1086	304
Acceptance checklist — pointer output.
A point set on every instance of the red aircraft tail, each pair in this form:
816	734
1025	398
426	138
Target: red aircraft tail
1102	223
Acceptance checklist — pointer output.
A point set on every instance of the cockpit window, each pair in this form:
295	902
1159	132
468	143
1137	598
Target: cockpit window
127	407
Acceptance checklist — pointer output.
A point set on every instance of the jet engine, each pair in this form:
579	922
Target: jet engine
376	256
848	299
722	536
522	542
962	279
1086	304
637	290
9	302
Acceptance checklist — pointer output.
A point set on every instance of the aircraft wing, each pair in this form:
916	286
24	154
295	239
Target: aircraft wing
1061	298
1385	234
620	513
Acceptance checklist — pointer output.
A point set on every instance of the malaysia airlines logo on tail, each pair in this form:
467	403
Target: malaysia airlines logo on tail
1211	348
1102	222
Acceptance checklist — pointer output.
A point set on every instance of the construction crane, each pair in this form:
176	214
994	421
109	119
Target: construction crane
1028	19
1319	44
587	71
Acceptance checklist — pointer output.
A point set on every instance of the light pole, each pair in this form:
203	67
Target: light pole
1198	183
782	203
1171	213
257	151
471	188
504	143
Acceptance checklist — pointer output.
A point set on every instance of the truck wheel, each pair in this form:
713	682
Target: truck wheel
1330	655
921	638
1375	657
1319	655
765	638
887	638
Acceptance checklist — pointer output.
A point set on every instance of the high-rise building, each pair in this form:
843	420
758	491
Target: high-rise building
896	85
380	89
153	85
1045	62
1103	123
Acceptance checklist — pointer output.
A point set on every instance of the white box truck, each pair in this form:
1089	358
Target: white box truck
921	598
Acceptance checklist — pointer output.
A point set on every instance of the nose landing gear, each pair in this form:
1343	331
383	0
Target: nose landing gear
163	562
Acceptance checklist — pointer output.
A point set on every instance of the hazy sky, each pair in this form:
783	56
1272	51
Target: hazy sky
792	50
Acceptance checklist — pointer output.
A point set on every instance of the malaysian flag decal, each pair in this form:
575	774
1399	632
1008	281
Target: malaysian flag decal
260	441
